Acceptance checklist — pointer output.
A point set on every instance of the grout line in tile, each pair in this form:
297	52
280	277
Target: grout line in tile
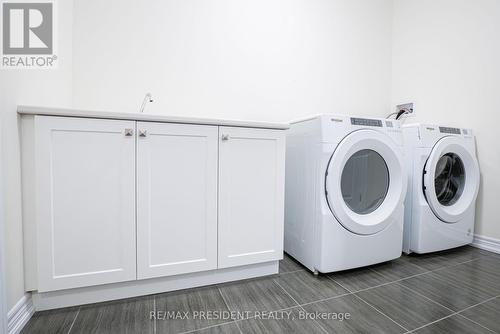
456	313
477	304
282	288
154	309
74	320
240	319
322	300
449	309
355	295
383	284
335	281
413	264
227	305
238	326
376	272
316	322
393	281
477	323
285	308
453	312
414	275
456	264
431	323
436	302
408	277
296	302
223	299
325	299
369	304
225	302
443	267
376	286
211	326
279	310
428	298
379	311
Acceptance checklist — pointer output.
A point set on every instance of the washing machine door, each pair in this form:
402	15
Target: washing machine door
365	181
451	179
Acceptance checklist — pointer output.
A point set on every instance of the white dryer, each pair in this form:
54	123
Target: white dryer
345	188
442	187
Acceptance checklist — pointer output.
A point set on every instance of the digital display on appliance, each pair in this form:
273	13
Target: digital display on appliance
454	131
366	122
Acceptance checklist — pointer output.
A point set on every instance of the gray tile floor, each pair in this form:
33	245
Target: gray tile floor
456	291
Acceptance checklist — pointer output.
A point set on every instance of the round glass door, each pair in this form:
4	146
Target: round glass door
365	181
449	179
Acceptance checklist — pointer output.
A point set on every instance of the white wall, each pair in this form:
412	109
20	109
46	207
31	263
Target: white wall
263	59
36	87
447	59
281	59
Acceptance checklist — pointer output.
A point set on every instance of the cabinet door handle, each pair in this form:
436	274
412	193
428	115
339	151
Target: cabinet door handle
225	137
129	132
143	133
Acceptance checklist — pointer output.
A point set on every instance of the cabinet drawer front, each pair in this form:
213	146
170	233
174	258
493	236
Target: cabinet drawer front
176	199
251	195
85	207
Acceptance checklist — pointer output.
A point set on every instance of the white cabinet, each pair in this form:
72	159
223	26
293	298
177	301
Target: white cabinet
251	195
84	201
110	200
176	199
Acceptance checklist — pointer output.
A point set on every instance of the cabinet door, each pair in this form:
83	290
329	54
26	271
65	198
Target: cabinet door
176	199
85	201
251	195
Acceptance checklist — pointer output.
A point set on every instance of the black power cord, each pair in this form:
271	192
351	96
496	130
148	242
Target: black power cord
402	110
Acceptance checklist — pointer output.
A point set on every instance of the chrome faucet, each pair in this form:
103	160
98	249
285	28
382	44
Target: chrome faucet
147	98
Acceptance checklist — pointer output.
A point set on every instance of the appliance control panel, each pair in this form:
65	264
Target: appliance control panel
455	131
366	122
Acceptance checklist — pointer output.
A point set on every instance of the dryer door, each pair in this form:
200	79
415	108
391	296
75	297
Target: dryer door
365	181
451	179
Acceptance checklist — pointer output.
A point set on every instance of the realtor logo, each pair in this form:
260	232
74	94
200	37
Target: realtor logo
28	34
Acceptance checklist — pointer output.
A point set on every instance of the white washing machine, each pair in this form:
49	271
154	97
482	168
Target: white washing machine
442	187
345	188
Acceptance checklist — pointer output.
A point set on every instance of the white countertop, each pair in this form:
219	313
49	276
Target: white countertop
46	111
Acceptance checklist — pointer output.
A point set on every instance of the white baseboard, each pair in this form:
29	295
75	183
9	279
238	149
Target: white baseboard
100	293
20	314
486	243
